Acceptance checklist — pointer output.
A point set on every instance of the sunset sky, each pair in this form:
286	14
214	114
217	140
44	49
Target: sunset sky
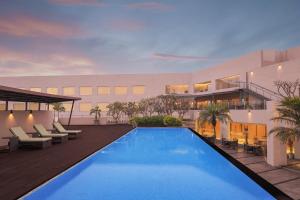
55	37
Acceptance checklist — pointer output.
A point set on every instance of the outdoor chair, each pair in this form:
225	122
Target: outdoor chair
25	140
72	133
56	138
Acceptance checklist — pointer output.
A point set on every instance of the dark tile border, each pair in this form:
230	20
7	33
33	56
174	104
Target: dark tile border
274	191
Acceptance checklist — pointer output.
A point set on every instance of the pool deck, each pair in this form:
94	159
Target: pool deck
287	178
23	170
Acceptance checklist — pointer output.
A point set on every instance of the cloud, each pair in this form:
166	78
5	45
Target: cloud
22	63
171	57
126	25
32	27
78	2
151	6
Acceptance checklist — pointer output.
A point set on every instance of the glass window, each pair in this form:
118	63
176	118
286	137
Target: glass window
120	90
69	91
103	90
52	90
68	107
86	91
36	89
19	106
103	106
201	87
139	89
227	82
33	106
177	89
51	107
85	107
2	106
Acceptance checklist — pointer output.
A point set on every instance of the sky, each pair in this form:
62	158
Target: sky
67	37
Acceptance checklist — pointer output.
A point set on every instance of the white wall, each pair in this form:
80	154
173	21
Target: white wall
23	119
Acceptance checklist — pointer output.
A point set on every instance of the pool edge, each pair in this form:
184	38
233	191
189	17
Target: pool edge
274	191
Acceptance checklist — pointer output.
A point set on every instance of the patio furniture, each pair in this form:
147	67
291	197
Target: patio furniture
232	143
12	144
72	133
56	138
254	148
25	140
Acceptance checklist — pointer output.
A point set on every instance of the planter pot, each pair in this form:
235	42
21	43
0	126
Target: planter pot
96	122
290	156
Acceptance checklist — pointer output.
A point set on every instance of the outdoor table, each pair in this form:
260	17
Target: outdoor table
13	142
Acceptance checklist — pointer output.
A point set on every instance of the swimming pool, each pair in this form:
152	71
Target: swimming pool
153	164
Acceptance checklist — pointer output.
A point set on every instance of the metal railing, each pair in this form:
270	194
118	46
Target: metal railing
267	93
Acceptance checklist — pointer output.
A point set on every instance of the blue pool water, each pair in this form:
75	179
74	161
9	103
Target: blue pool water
153	164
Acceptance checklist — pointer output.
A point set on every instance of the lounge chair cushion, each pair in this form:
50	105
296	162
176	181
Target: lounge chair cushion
61	129
44	133
23	137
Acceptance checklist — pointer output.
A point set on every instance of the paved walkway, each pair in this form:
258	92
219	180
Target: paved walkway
287	179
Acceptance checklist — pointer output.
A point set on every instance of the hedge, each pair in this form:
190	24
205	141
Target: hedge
155	121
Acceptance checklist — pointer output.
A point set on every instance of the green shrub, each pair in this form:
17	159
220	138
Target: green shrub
155	121
147	121
172	121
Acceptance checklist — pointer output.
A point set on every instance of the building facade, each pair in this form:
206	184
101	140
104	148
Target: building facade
248	79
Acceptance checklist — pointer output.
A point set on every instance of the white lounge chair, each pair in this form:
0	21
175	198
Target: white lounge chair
25	140
41	130
62	130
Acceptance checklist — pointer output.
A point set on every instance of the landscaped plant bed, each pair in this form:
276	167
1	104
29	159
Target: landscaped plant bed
156	121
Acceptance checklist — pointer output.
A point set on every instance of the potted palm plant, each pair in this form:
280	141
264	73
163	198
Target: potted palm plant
97	112
58	107
213	113
289	117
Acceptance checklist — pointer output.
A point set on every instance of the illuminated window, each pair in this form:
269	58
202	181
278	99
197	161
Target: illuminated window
52	90
103	106
255	132
36	89
103	90
139	89
19	106
85	107
227	82
86	91
68	106
121	90
177	89
201	87
2	106
69	91
51	107
33	106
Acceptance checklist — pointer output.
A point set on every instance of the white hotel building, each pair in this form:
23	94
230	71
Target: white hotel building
249	78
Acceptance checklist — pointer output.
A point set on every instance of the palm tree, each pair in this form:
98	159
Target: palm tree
289	117
213	113
97	112
58	107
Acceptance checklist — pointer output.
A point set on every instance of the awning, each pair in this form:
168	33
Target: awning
20	95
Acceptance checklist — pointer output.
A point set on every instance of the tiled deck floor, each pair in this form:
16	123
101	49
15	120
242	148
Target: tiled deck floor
287	179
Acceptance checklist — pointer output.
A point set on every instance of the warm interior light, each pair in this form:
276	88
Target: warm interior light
11	115
279	67
251	73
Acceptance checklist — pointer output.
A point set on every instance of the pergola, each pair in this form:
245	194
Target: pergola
19	95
